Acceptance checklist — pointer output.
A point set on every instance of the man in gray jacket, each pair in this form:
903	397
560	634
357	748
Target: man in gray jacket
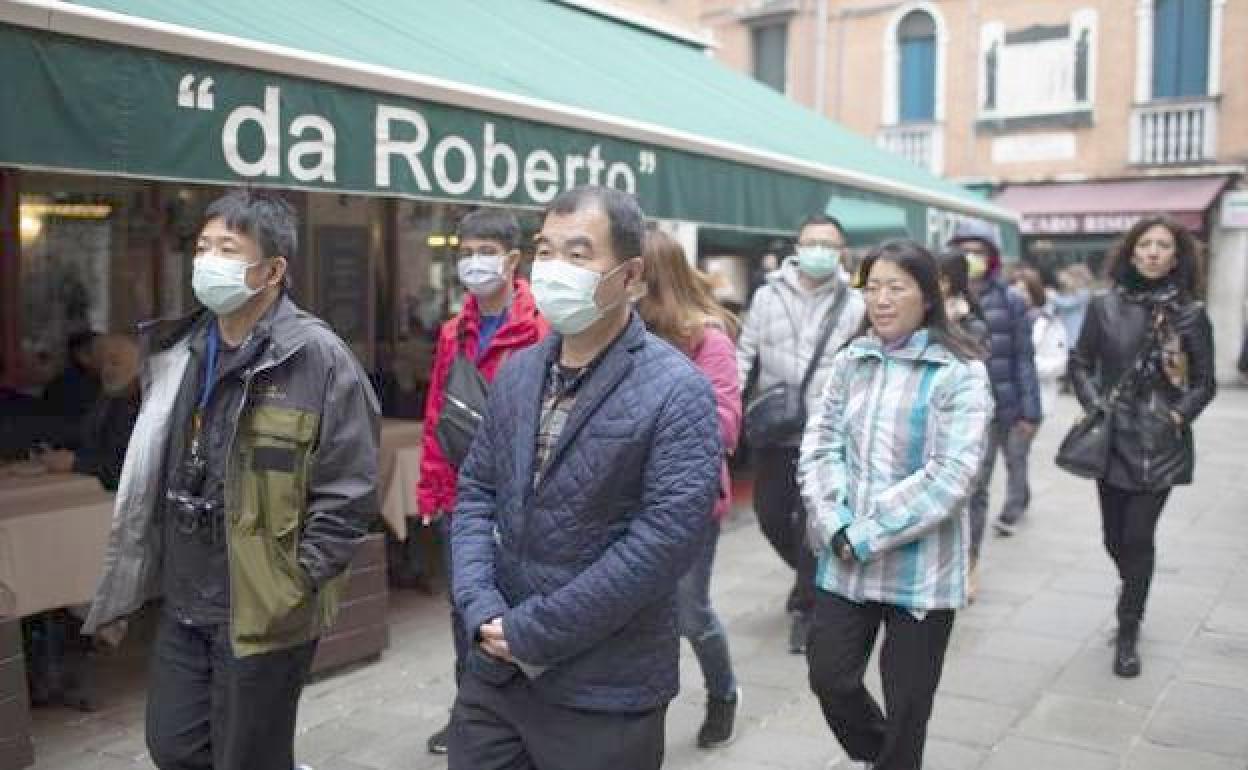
808	297
250	479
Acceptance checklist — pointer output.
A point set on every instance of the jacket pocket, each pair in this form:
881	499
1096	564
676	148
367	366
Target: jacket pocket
276	450
271	596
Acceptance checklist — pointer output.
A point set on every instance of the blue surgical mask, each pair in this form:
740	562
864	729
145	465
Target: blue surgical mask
818	261
481	274
220	284
565	294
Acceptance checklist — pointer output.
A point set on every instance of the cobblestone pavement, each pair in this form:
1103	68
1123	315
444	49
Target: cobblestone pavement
1027	683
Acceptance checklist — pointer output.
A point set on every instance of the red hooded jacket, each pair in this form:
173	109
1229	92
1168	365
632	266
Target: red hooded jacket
435	492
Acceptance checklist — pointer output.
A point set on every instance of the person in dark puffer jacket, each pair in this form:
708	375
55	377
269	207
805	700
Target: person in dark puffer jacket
1012	369
584	499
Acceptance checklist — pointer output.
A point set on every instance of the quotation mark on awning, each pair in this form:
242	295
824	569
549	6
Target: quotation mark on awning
192	98
647	162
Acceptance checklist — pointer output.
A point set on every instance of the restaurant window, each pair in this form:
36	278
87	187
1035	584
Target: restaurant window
771	54
1181	48
88	262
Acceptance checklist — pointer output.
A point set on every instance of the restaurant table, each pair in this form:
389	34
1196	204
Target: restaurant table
53	534
400	470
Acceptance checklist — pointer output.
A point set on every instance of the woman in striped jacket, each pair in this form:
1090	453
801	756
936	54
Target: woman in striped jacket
887	465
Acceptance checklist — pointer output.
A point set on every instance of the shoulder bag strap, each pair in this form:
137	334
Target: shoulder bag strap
825	334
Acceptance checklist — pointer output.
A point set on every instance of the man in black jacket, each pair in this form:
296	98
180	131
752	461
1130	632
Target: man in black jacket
1012	369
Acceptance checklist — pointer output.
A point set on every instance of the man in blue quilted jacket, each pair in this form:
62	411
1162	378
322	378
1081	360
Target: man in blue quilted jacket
1012	370
587	491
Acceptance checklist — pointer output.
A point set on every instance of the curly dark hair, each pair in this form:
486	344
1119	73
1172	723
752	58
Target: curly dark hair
1189	268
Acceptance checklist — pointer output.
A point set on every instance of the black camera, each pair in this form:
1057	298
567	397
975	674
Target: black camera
193	512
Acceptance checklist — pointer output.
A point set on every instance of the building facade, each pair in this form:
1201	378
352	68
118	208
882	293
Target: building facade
1082	115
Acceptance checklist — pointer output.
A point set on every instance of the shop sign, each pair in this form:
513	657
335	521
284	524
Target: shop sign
104	108
1235	209
1102	223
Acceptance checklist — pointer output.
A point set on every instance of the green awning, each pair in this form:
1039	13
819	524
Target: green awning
866	222
474	101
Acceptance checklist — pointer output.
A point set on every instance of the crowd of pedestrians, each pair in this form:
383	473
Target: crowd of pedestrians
575	466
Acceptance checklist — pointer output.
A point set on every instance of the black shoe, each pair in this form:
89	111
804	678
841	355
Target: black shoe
1126	652
437	741
798	633
1004	528
720	726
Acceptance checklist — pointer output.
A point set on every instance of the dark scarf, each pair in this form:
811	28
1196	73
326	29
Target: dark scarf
1163	300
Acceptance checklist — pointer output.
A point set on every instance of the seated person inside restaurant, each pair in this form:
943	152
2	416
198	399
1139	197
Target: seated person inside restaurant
106	429
73	392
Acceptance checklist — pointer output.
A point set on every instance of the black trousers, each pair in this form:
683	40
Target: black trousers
208	709
782	517
1129	521
841	639
506	727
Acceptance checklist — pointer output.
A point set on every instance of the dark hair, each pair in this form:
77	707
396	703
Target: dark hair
79	340
264	216
919	263
626	222
953	268
490	224
820	219
1188	271
1034	284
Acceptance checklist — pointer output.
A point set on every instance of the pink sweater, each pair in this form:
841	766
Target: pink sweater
716	356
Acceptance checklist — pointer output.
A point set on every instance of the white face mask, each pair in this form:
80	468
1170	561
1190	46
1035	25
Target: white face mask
565	294
220	284
481	274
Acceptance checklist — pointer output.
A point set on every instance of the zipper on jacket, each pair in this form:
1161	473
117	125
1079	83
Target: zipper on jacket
459	403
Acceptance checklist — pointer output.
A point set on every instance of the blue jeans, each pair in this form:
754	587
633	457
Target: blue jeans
699	623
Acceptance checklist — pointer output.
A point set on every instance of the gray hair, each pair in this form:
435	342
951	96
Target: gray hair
265	217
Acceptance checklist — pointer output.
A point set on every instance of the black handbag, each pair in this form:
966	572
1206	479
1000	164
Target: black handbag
1085	449
778	414
463	407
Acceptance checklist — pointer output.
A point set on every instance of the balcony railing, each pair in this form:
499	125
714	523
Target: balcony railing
1175	133
922	144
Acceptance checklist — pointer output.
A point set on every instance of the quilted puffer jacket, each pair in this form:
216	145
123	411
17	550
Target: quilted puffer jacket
1011	359
582	567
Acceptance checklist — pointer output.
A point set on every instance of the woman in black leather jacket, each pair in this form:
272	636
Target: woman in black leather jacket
1147	346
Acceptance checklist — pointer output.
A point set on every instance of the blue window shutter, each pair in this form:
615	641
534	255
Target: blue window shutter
1194	49
918	80
1180	48
1166	21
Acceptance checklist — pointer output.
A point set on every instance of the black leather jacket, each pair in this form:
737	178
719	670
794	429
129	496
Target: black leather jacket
1149	451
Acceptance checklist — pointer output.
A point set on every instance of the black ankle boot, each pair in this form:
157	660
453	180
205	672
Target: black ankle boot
1126	652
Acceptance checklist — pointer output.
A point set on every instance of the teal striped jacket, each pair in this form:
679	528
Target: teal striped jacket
891	457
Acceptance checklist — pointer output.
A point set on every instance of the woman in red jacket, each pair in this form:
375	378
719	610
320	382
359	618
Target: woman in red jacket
499	318
680	308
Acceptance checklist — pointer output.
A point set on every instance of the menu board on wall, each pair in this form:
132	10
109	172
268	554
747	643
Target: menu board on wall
342	267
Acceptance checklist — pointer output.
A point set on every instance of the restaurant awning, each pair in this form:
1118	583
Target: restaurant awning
867	222
474	101
1096	208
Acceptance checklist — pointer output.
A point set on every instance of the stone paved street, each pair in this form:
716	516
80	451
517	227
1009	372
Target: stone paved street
1027	683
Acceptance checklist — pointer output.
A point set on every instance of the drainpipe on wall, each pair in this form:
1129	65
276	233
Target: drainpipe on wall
821	56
